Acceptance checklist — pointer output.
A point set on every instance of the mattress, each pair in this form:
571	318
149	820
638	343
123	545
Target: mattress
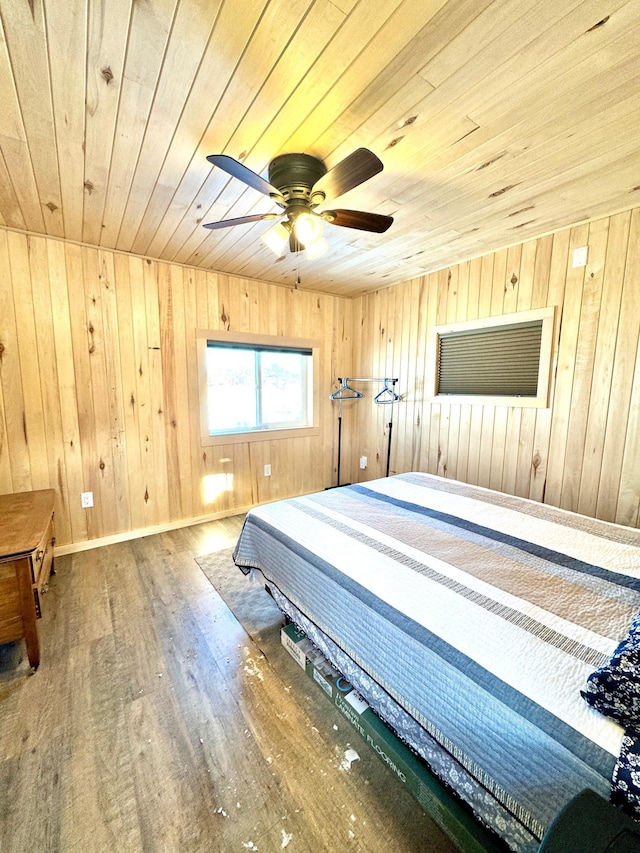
471	619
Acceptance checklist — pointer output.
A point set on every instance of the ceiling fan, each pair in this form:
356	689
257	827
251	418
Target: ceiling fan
298	184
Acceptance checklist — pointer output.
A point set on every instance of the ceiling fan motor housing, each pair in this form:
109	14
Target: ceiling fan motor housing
295	175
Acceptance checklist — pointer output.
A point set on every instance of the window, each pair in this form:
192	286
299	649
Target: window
498	360
255	387
251	388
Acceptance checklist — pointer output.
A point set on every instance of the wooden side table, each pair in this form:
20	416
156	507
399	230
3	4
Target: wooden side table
26	561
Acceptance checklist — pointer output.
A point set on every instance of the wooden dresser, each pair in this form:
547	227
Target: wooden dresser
26	561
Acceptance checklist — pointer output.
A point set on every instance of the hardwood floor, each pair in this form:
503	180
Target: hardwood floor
155	724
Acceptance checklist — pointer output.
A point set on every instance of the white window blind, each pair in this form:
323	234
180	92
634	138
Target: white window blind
493	361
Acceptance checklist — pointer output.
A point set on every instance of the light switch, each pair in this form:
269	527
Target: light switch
580	256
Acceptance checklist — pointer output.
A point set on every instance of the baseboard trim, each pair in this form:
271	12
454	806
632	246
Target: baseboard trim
89	544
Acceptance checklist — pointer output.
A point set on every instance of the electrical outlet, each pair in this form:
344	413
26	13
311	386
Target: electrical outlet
363	462
267	470
86	500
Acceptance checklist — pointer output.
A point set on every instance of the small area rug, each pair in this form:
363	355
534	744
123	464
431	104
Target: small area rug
245	597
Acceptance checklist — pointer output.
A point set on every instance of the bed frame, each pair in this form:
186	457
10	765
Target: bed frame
436	598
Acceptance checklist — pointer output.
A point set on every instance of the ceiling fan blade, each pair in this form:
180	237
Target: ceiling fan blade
359	219
243	173
241	220
355	169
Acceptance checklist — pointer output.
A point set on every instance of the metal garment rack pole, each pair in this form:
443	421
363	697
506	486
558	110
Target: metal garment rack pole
344	392
352	394
389	401
339	445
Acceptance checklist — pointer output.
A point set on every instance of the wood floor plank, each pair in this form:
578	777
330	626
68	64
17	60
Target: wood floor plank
155	723
100	810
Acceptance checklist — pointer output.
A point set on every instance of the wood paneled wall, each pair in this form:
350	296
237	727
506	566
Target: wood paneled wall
99	386
583	452
99	381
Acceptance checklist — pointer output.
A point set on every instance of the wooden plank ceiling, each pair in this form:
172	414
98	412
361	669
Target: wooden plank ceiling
496	122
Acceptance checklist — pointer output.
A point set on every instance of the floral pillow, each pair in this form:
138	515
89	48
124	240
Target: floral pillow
625	781
614	689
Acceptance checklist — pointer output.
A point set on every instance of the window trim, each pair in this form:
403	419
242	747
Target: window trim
540	401
203	336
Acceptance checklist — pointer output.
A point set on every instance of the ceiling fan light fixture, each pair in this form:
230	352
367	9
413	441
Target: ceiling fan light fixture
308	229
276	238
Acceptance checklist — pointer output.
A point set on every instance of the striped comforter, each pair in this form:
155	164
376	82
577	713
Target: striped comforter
479	615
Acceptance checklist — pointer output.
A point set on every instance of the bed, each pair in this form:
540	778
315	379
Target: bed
470	621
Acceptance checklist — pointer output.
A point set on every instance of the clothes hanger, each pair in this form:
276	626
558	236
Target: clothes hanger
387	395
345	391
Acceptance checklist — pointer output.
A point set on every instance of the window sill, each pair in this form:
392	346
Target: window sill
259	435
479	400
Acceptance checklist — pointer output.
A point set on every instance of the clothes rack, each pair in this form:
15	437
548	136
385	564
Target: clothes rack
387	396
